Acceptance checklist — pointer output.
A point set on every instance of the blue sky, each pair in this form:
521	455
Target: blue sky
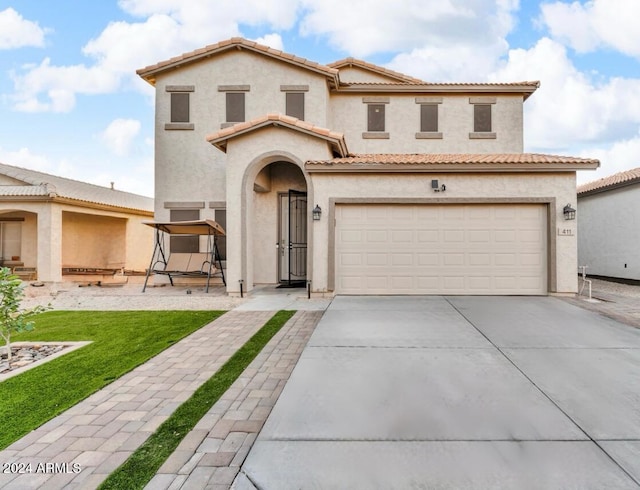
71	103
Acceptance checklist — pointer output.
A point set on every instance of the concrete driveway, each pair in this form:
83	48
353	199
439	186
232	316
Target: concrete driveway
456	392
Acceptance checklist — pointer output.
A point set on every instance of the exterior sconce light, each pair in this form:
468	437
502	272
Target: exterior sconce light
569	212
317	212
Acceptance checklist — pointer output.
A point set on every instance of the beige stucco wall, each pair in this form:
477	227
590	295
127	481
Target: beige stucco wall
402	122
93	241
496	186
247	156
187	167
44	227
609	232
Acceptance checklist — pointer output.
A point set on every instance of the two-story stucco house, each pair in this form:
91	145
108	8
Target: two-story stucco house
359	179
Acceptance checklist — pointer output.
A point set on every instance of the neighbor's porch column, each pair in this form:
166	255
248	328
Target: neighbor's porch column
50	243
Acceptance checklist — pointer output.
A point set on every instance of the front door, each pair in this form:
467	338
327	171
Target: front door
292	245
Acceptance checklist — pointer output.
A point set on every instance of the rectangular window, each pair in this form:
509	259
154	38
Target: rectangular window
235	107
482	118
428	118
179	107
375	117
295	105
184	243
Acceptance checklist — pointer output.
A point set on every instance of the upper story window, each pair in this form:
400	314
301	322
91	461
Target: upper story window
376	124
482	117
429	117
294	100
234	103
180	103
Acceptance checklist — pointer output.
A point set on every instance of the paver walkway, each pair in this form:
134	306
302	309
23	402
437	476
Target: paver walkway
212	453
102	431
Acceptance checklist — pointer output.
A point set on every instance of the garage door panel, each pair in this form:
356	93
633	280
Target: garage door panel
441	249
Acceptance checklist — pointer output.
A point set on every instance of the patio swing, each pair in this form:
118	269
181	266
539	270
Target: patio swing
186	264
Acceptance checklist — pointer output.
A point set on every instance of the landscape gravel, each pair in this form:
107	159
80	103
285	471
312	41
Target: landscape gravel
70	296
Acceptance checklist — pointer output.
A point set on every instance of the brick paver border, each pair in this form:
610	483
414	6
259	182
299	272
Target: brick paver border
211	455
98	434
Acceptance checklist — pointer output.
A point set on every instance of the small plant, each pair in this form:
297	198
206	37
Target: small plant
12	318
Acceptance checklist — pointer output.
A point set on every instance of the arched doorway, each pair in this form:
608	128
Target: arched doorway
280	225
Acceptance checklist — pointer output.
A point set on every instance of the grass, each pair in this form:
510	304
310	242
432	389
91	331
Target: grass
143	464
122	340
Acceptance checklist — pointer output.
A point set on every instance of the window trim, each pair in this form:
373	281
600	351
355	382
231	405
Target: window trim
179	89
483	101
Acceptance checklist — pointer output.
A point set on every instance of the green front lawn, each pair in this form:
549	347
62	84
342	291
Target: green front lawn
142	465
122	340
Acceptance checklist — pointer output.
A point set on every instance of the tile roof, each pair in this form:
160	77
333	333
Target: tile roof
374	68
42	184
149	72
450	160
614	181
219	139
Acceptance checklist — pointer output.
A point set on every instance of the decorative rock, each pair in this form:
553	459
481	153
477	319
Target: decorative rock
25	355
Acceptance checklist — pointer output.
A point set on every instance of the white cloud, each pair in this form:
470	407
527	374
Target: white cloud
363	27
23	157
272	40
16	31
170	27
120	135
621	155
596	23
570	109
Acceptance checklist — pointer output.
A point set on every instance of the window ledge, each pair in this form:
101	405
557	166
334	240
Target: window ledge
375	135
228	124
428	135
482	136
179	126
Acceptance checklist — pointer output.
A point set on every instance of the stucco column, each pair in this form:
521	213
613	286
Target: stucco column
234	227
50	243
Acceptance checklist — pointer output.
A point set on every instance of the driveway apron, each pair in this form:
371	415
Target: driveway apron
456	392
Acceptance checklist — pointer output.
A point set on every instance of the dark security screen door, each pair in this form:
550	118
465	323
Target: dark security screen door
295	233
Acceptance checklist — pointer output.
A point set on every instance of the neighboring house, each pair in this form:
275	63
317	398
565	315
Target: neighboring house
423	187
51	223
609	226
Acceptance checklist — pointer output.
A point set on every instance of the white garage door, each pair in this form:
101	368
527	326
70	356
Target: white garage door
441	249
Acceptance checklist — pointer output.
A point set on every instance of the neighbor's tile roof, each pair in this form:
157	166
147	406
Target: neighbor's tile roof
149	72
374	68
453	158
620	179
220	138
42	184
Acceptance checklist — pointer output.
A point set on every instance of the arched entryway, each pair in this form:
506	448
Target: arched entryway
280	222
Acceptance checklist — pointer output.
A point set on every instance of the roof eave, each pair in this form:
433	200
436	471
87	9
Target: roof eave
525	90
610	187
149	74
338	144
445	167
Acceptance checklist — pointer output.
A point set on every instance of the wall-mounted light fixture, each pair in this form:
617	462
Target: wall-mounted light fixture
569	212
436	187
317	212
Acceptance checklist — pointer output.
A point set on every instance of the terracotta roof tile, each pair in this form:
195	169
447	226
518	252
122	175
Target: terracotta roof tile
219	138
375	68
149	72
616	180
42	184
390	159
